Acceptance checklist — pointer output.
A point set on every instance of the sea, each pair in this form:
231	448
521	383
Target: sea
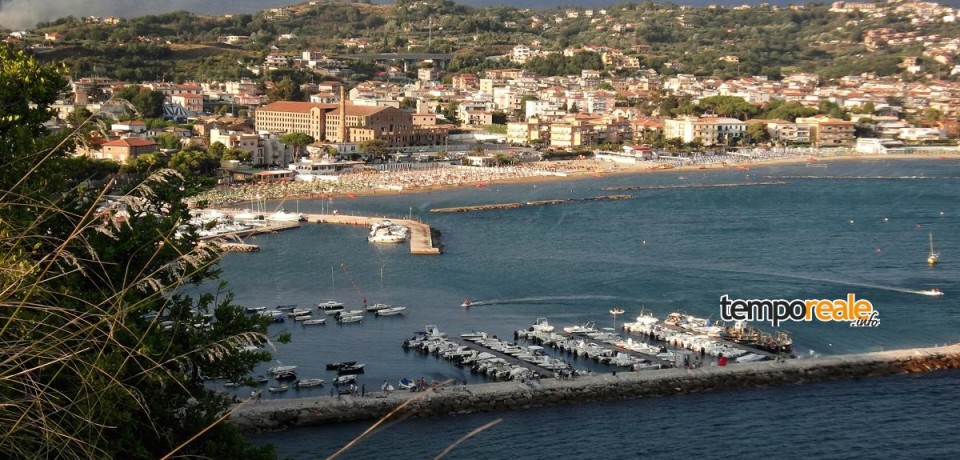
795	231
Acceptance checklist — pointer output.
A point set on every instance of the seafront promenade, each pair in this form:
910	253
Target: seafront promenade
457	399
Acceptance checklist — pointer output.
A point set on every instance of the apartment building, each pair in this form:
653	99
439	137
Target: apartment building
706	130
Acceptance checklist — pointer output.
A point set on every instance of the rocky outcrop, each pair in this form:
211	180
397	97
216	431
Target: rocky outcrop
456	399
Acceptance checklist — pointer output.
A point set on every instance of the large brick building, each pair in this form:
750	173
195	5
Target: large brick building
323	122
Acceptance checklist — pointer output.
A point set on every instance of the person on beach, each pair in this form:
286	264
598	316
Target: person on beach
721	360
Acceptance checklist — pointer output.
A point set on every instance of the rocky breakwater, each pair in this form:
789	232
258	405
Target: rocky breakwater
456	399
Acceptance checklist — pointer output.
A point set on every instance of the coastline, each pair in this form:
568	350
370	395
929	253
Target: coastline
562	170
279	414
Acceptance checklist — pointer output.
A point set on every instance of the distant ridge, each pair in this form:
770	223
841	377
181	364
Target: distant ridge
22	14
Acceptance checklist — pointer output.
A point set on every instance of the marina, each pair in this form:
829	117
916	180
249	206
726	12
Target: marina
277	414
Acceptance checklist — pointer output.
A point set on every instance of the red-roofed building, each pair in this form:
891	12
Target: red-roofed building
189	101
121	150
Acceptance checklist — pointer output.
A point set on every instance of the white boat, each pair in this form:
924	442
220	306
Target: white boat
284	216
343	313
406	384
350	319
298	312
377	307
281	369
255	309
542	326
317	321
331	305
934	257
387	232
278	389
300	318
306	383
466	303
391	311
345	379
584	328
935	292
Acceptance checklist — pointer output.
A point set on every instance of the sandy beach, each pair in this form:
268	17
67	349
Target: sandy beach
445	177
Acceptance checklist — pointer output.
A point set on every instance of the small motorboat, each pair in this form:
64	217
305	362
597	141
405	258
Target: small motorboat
391	311
317	321
343	313
255	309
307	383
280	369
350	318
345	379
286	307
330	305
377	307
298	312
231	384
286	375
466	303
337	366
406	384
351	369
935	292
278	389
261	379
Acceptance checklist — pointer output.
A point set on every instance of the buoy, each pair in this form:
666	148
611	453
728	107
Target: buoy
885	219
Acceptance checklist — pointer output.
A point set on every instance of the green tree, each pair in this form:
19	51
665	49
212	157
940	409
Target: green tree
727	106
149	104
298	141
285	90
757	133
169	141
374	148
90	372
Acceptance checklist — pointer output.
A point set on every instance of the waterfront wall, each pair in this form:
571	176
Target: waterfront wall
458	399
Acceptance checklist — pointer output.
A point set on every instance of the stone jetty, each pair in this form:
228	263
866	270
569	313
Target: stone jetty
488	207
458	399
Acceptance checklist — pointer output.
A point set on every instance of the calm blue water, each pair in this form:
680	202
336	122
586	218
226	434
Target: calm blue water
666	250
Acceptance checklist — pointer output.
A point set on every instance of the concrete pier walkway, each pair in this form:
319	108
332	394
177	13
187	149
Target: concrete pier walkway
421	238
283	413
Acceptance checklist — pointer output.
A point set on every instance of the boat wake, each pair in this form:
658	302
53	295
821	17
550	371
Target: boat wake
541	300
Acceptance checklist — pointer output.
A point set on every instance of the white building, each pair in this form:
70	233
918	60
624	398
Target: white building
707	130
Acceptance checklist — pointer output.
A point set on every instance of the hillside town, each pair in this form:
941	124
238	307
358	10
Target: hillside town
415	110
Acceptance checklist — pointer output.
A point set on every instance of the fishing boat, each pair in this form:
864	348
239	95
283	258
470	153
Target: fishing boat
391	311
345	379
307	383
314	322
278	389
934	257
466	303
935	292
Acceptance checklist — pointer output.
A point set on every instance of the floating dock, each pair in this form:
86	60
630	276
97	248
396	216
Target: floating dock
457	399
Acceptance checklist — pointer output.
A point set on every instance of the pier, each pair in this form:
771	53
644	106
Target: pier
457	399
421	238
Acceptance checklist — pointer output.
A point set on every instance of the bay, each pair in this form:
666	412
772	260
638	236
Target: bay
853	227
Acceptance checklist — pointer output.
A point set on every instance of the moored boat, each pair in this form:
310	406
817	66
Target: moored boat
281	368
278	389
391	311
314	322
337	366
406	384
350	319
377	307
351	369
345	379
330	306
306	383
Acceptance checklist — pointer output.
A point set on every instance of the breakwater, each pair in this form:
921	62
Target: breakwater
457	399
489	207
668	187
